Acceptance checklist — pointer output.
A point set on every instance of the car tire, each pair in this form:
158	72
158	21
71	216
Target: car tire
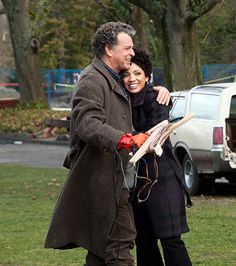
191	177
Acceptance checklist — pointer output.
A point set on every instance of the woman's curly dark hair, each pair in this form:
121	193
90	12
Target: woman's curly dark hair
107	35
143	60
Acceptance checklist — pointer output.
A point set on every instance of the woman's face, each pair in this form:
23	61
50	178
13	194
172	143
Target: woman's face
134	79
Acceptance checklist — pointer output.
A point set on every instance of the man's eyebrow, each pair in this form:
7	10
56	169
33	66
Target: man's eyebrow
128	46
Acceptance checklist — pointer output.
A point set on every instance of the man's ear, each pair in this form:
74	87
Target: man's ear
108	50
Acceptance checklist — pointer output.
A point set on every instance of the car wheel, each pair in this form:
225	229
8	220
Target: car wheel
191	177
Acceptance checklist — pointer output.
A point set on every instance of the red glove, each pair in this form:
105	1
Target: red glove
127	141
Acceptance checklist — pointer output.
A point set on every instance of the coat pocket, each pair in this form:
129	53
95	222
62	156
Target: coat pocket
72	155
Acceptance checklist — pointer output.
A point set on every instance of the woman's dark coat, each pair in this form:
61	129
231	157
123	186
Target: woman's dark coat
165	206
85	211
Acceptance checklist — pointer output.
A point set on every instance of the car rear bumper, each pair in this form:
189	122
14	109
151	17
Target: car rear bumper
214	161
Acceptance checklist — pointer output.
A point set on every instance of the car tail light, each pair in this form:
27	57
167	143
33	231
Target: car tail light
217	135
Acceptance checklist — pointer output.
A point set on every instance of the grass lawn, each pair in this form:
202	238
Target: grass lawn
28	196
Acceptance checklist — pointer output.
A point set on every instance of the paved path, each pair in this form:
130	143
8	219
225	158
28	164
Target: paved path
32	154
52	156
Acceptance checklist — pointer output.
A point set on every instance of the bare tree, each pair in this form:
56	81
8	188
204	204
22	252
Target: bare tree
139	20
175	20
26	48
2	11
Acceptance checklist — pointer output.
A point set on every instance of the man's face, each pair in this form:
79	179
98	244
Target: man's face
120	55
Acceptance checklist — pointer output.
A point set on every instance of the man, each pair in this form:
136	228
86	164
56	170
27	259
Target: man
93	210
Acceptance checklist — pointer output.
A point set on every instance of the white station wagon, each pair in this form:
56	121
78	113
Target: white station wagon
206	145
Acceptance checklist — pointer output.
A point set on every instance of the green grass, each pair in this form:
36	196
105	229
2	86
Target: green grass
28	196
212	239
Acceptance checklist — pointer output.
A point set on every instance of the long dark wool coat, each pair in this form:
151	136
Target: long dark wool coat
86	208
165	207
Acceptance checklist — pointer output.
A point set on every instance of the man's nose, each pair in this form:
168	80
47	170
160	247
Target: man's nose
132	52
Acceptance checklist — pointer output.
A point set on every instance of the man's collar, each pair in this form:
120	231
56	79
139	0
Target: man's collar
115	75
118	77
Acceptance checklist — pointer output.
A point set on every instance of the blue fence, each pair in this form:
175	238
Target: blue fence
59	84
218	73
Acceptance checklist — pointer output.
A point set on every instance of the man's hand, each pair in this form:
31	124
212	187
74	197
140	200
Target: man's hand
128	140
163	96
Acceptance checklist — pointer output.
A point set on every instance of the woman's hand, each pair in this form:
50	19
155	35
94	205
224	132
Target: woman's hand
163	96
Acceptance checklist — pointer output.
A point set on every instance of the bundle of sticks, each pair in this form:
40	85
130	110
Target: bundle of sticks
157	136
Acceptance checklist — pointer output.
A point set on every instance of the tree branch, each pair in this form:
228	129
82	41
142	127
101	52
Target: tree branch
2	11
152	7
196	9
107	13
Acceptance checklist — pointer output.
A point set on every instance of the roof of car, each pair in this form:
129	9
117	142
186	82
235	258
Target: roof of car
212	88
206	88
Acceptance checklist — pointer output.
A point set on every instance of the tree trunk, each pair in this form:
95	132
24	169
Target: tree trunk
181	62
140	23
176	21
6	53
25	48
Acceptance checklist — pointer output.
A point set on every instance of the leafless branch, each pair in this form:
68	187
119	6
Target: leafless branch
154	8
107	13
2	11
203	8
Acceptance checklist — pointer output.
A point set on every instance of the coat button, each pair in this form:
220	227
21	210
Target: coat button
124	116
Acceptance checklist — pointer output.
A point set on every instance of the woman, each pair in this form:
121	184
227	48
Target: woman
161	214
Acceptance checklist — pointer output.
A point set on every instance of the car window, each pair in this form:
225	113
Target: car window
204	106
233	107
177	110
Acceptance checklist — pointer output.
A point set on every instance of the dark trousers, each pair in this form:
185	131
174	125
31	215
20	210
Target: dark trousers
147	250
174	250
120	240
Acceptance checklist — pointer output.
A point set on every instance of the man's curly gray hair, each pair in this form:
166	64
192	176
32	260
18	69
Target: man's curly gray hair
107	35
